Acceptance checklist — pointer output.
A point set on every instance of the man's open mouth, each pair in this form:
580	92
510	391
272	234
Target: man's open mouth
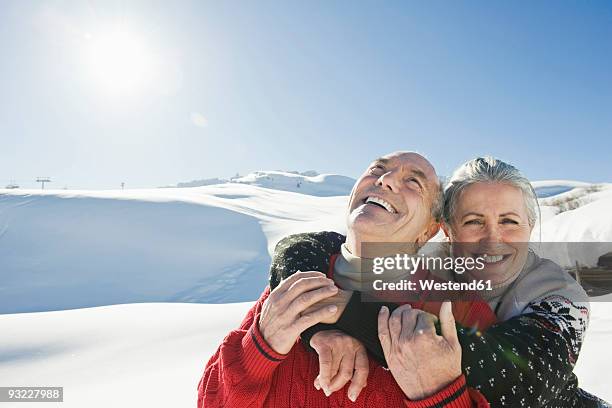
381	203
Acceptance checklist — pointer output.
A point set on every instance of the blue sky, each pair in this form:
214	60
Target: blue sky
211	89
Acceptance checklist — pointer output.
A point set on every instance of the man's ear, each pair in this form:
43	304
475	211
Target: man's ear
429	233
445	229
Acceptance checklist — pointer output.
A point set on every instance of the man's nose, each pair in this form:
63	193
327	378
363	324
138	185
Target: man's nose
389	181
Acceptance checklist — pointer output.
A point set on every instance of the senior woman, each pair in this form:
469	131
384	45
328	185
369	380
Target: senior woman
527	358
491	208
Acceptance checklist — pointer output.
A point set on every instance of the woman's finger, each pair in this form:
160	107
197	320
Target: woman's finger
383	331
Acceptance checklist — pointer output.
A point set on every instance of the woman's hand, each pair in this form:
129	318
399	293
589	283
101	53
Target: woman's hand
421	362
341	358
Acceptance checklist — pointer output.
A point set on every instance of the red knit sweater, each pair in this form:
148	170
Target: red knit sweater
246	372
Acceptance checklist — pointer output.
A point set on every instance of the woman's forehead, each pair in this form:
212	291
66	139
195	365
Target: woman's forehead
497	197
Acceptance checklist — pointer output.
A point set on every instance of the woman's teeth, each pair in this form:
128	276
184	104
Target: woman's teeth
492	258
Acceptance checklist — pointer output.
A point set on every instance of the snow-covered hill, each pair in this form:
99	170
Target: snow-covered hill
578	212
549	188
309	182
67	249
323	185
71	249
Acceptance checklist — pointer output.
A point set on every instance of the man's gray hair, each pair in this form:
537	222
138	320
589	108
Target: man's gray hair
488	170
437	202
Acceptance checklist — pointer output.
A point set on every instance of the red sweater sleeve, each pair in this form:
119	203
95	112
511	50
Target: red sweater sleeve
455	395
240	372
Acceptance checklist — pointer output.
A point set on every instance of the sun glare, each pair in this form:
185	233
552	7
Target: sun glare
120	62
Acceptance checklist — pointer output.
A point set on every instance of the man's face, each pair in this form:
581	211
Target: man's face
391	201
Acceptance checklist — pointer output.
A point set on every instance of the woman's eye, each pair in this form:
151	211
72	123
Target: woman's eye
472	222
509	221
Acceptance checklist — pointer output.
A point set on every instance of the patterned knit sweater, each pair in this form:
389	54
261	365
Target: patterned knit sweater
525	361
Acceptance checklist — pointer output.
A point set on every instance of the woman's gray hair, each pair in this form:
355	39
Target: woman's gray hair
488	170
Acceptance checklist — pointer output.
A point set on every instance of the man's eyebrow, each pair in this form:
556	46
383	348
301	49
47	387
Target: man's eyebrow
381	160
419	173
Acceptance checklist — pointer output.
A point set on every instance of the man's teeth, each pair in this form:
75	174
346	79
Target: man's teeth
381	202
492	258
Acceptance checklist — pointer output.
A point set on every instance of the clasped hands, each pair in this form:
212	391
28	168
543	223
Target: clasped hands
421	361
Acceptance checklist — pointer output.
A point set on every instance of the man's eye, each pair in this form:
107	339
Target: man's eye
414	181
376	170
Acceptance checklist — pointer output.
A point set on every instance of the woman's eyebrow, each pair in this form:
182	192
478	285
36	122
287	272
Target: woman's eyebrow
472	213
509	213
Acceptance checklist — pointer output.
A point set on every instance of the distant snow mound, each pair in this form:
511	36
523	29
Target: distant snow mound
550	188
580	213
202	183
569	196
311	183
308	182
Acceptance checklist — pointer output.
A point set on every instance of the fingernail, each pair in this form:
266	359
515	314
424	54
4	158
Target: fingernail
327	392
383	310
316	385
333	288
352	396
332	309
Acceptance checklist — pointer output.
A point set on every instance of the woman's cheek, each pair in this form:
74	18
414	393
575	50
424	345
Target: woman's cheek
517	236
468	234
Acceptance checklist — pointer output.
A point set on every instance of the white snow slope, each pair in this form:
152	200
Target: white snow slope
75	249
71	249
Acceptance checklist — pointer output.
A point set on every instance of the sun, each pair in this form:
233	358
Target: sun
120	62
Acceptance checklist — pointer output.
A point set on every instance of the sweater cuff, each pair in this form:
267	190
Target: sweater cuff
260	360
455	395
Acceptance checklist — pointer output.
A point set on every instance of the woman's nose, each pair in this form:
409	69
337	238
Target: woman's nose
492	233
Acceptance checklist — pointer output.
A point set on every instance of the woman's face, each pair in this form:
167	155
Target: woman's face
491	219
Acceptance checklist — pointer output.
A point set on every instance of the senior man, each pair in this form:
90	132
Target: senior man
264	364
